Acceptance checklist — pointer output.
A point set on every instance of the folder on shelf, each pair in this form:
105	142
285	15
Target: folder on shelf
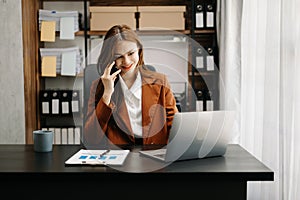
98	157
68	63
54	15
209	105
48	31
199	106
57	136
210	15
64	136
65	100
209	19
200	101
67	28
65	107
209	101
75	103
77	135
199	18
49	66
58	52
45	99
210	61
200	54
71	135
55	105
199	62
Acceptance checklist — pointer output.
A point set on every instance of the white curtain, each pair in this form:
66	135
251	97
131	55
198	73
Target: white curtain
268	88
229	39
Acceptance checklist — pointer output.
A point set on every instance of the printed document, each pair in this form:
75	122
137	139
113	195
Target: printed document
98	157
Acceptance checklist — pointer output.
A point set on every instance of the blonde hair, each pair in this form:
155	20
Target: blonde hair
113	36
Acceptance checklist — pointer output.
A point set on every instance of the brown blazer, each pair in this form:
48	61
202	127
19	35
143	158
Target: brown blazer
110	124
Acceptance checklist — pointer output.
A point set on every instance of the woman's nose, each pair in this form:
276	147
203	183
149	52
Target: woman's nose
126	60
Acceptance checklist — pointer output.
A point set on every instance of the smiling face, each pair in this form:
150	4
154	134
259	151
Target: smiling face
119	42
126	56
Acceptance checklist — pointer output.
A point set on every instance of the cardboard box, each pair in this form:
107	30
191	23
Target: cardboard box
162	17
104	17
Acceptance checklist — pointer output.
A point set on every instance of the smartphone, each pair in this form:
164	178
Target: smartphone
113	70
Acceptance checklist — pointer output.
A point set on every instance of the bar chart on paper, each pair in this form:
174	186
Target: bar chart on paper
98	157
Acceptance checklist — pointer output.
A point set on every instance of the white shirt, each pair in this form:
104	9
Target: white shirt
133	98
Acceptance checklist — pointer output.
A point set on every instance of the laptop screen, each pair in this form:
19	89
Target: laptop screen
199	134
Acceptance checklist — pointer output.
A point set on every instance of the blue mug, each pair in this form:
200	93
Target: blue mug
43	140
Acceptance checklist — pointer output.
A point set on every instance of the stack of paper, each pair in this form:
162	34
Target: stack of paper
52	15
63	61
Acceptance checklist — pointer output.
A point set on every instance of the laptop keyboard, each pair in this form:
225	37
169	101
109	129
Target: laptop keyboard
161	155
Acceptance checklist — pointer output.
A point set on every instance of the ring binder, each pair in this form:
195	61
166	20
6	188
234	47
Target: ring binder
55	105
209	101
75	102
199	16
210	16
45	102
199	101
66	96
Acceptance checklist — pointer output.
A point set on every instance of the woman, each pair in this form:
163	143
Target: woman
129	104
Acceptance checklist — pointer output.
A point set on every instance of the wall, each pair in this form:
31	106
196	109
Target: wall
12	119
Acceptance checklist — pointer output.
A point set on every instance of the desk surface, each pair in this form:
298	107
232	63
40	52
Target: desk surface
237	163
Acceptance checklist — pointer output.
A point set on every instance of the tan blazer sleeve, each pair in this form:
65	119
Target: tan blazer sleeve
170	104
97	117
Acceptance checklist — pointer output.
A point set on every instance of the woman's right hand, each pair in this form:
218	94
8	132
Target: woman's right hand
108	82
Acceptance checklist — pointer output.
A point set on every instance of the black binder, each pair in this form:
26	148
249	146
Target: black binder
210	58
65	101
199	11
209	100
206	53
200	106
75	102
45	102
200	59
55	102
205	14
210	18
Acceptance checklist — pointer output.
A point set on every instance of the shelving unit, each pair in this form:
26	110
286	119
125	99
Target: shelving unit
203	84
66	119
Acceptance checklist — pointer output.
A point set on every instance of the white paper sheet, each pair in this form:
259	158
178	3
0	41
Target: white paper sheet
68	64
93	157
67	28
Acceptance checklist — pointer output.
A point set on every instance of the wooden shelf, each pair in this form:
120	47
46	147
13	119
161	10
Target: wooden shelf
138	2
149	32
80	75
204	73
212	31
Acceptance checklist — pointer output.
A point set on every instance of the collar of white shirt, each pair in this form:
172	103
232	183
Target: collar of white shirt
136	88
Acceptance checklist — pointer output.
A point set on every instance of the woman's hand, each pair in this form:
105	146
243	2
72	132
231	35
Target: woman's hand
108	82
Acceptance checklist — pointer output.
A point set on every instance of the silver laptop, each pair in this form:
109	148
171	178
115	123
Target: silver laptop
196	135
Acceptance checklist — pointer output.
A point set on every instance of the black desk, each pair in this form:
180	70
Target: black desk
25	172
